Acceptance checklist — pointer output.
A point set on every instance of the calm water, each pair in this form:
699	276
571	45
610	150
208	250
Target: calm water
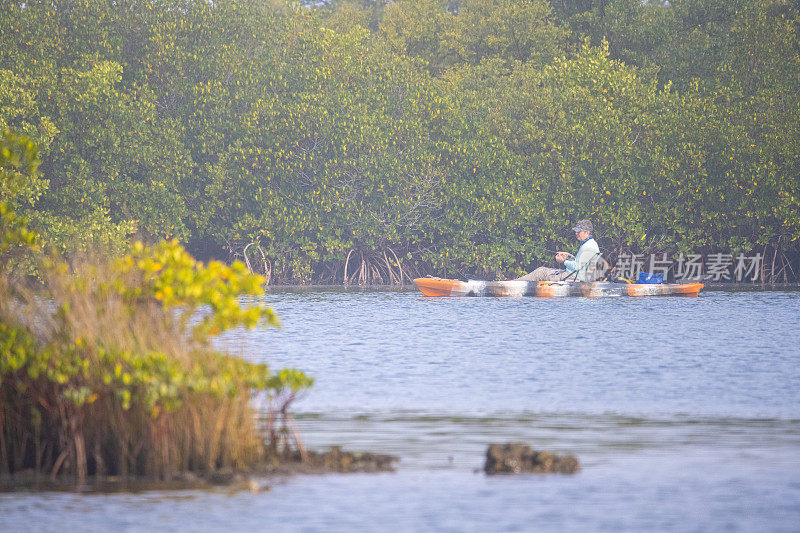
685	414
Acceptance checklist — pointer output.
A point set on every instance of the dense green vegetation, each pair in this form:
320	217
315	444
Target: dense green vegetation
379	139
109	368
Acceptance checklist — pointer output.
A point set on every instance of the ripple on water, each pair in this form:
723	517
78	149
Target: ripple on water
685	414
719	354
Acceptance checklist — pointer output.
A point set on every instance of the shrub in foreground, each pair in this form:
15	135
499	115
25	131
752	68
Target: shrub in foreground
110	369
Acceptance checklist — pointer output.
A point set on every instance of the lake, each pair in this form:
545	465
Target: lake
684	413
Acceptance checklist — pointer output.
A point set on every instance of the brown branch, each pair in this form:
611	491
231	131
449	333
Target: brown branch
289	421
399	266
246	260
346	261
57	466
389	267
267	266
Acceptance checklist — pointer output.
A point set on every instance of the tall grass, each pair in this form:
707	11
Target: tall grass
110	369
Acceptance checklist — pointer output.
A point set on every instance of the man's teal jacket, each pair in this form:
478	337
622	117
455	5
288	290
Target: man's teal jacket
588	251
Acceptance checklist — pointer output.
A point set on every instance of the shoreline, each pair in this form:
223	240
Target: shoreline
256	478
756	287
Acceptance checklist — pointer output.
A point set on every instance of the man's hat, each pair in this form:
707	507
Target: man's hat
583	225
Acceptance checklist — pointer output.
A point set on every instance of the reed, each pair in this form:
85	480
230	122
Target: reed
110	369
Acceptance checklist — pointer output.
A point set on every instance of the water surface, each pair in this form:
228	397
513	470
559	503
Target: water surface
684	412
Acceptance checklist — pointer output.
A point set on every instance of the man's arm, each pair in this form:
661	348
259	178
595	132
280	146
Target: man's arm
585	253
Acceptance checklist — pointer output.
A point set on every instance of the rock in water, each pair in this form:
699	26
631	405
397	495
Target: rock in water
338	460
514	458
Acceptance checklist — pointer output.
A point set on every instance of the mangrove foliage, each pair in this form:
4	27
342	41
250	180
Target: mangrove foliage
370	141
107	366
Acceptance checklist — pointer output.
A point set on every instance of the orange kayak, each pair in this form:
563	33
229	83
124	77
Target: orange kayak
452	287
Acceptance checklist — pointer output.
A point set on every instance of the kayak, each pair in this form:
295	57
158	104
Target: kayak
431	286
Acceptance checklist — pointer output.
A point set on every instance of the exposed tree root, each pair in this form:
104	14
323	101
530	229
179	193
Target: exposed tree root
362	266
374	267
346	262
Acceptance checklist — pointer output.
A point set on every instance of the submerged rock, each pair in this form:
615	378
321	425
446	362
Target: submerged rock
225	476
338	460
334	460
514	458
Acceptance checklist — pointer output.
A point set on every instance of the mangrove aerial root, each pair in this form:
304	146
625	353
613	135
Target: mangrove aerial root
346	261
373	267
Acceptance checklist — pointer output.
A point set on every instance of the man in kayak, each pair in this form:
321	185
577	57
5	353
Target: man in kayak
575	267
